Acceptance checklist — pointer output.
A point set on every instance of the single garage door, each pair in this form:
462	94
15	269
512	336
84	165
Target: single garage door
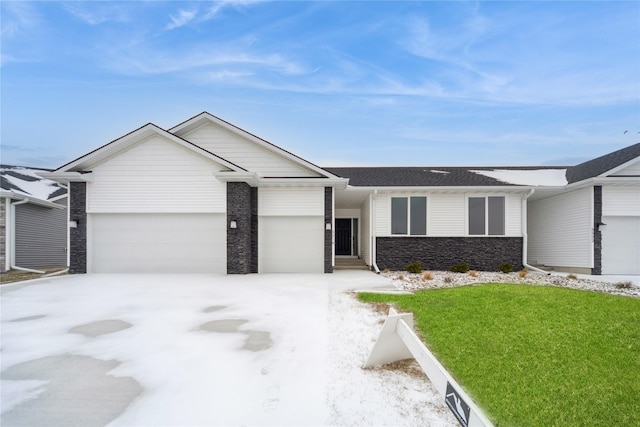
621	245
291	244
158	243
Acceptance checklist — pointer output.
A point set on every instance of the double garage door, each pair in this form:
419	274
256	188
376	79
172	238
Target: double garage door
621	245
158	243
197	243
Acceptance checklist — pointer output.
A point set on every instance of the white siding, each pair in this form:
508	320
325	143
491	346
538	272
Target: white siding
156	175
621	200
244	153
290	201
560	230
381	208
347	213
630	170
513	215
446	214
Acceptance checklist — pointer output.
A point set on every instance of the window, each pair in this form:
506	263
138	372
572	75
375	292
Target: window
409	215
486	213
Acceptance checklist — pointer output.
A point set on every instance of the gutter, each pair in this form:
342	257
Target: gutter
525	235
372	228
12	212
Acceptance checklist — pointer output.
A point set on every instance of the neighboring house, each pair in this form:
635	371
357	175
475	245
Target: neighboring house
33	220
207	196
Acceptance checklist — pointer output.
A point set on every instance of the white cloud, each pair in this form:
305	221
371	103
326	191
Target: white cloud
183	18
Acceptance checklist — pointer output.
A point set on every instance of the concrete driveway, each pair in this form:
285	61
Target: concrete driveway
187	350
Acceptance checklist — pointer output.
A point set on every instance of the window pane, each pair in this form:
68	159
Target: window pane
496	216
476	215
399	215
418	216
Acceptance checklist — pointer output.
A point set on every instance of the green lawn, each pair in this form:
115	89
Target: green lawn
535	355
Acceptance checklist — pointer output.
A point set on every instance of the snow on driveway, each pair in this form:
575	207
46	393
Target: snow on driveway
201	350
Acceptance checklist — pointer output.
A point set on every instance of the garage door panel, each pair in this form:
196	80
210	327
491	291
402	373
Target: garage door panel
291	244
157	243
621	245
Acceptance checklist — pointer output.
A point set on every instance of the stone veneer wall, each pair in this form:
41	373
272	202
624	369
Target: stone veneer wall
242	242
440	253
328	234
597	234
78	235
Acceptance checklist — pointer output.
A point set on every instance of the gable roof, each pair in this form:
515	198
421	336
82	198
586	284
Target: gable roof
133	138
602	164
24	181
450	176
205	117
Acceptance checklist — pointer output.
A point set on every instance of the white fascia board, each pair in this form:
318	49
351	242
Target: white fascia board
250	178
339	183
255	180
193	123
450	189
67	177
17	196
615	180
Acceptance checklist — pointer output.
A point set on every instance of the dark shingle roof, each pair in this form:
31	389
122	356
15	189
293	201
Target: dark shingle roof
602	164
423	176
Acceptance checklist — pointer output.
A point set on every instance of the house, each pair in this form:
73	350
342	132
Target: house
207	196
33	220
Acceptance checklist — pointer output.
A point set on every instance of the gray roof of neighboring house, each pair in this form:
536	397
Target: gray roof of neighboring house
602	164
426	176
25	180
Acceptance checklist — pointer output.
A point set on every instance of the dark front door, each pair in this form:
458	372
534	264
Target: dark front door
343	236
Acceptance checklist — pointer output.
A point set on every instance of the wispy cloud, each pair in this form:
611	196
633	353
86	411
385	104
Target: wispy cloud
201	13
183	18
96	13
17	18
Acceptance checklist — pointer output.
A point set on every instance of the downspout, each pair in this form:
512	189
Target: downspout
13	239
372	228
525	235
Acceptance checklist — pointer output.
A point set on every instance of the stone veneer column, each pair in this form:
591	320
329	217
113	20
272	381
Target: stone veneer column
597	234
78	235
242	242
328	234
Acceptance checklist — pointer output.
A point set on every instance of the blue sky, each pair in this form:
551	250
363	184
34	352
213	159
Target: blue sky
338	83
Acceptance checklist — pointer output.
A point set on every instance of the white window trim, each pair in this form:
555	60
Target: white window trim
408	196
486	214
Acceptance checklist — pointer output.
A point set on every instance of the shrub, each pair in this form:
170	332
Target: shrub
473	273
572	276
505	267
523	273
427	275
415	267
400	277
461	267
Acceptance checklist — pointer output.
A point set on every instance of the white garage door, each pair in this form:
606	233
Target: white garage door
158	243
621	245
291	244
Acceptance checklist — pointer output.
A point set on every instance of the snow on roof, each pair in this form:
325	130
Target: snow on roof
535	177
26	181
438	171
